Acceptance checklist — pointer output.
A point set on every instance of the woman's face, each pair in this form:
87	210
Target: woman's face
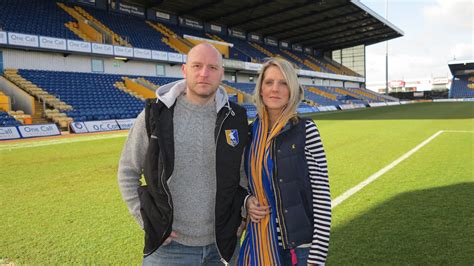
275	91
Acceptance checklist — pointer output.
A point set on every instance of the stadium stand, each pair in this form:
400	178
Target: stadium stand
247	88
40	17
368	95
244	48
341	69
304	108
133	30
34	90
87	96
234	53
181	31
63	97
251	110
320	97
159	81
277	52
7	120
462	87
92	96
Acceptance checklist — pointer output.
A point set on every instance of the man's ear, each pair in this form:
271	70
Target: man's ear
183	70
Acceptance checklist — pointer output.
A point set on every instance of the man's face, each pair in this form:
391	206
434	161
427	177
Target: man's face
203	72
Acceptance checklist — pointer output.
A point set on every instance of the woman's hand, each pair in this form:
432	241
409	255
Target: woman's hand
256	211
172	236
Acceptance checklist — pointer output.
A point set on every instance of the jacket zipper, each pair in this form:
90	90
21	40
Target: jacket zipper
217	138
223	120
167	194
281	219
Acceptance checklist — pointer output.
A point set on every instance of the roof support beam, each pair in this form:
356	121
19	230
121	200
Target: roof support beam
383	36
303	34
239	10
310	28
269	15
335	40
311	14
200	7
332	33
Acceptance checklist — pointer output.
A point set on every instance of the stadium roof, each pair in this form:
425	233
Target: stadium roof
461	67
320	24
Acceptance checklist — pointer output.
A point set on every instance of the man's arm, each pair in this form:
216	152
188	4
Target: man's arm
131	166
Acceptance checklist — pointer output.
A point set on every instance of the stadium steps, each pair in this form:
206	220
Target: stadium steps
292	56
345	92
139	89
335	67
162	28
304	62
313	66
172	39
71	11
377	96
81	28
363	93
34	90
146	83
319	64
116	39
262	49
215	37
121	86
322	93
233	51
231	90
40	96
167	42
39	115
177	40
309	102
61	119
167	33
74	28
331	68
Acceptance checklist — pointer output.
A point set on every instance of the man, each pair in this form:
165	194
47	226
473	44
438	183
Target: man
189	152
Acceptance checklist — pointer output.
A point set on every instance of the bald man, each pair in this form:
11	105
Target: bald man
188	145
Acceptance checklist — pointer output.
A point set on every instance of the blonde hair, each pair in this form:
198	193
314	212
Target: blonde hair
296	91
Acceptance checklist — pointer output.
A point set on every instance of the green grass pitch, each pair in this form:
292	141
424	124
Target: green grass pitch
60	203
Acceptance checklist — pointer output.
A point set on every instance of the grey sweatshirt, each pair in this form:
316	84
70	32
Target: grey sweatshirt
193	184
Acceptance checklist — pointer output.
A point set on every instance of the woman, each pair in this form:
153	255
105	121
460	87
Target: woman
290	204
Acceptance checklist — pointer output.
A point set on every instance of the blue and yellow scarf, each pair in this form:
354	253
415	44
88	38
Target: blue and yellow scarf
260	245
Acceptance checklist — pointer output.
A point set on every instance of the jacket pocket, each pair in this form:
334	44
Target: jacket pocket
156	220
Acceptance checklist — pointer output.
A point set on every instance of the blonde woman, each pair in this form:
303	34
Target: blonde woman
290	205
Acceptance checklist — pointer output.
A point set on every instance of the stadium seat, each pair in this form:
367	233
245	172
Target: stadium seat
460	87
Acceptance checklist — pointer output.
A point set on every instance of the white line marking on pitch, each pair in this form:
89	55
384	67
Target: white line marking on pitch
458	131
382	171
58	141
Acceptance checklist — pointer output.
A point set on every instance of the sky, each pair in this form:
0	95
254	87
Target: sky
435	32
